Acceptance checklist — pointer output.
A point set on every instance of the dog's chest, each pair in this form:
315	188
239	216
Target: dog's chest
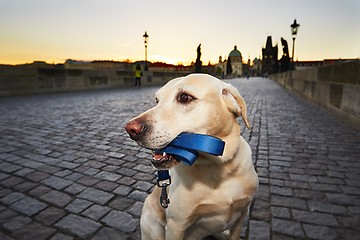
210	211
211	219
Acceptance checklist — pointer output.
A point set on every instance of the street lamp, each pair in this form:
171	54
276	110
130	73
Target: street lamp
146	36
294	29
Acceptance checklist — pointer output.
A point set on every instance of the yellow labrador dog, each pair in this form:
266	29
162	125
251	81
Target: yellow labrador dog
211	197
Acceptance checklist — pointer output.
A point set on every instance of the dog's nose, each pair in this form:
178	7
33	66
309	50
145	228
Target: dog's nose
135	129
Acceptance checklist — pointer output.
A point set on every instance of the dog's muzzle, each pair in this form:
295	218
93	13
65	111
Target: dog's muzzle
135	129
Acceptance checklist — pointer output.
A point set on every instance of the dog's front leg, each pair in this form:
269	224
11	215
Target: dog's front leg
152	220
235	230
174	230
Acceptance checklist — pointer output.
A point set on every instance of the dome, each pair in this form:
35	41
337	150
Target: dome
235	53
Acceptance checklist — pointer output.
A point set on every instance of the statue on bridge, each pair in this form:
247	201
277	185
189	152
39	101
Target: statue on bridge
198	62
285	59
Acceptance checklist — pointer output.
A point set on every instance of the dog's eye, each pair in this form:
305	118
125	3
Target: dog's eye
184	98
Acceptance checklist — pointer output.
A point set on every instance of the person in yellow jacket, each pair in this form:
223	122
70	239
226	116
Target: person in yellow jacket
138	75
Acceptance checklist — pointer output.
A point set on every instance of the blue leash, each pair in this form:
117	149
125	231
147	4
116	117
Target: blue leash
185	148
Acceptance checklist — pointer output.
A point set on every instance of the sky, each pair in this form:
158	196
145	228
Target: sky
56	30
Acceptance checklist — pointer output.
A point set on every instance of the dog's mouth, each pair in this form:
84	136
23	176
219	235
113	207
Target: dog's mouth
163	161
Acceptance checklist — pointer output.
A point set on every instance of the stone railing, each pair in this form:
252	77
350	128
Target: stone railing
334	87
20	80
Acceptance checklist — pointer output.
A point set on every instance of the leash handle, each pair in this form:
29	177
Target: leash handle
186	146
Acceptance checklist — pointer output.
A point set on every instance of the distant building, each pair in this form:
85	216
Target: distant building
236	62
220	68
257	66
165	67
270	62
97	65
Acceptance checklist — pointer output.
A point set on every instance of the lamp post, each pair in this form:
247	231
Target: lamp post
294	29
146	36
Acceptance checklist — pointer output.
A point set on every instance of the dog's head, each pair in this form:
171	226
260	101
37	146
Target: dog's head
197	103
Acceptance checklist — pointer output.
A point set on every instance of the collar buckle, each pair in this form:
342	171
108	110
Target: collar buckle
164	182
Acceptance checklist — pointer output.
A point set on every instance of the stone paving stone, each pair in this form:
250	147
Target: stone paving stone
11	168
143	176
57	198
319	232
6	215
138	195
127	181
96	211
122	190
343	199
136	209
143	186
32	164
16	223
126	171
295	185
78	205
309	194
144	168
288	202
108	176
261	210
313	217
350	221
120	220
25	186
3	176
326	207
74	176
63	173
56	182
75	188
34	231
283	191
91	171
106	186
110	233
60	236
325	187
117	155
280	212
303	178
287	227
40	190
37	176
50	215
95	195
121	203
88	180
11	181
80	226
4	237
28	206
259	230
68	165
12	197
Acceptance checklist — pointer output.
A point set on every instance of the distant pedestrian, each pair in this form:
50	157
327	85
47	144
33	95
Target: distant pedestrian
138	75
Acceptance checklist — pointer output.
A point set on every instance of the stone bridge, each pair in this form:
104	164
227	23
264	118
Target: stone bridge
69	171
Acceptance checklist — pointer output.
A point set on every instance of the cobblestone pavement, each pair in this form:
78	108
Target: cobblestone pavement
69	171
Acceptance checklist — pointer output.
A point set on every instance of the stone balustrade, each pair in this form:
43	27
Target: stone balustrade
335	87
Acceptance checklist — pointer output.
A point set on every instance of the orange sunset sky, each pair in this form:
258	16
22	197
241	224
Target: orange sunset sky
53	31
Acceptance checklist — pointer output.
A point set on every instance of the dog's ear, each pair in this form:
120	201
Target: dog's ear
235	103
